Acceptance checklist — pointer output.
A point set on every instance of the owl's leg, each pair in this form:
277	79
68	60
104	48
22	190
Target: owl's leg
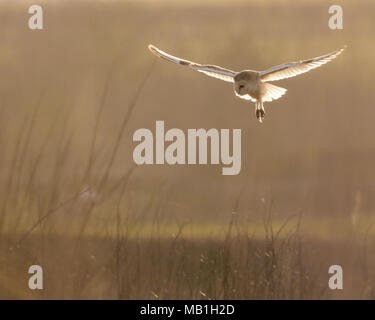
259	111
263	112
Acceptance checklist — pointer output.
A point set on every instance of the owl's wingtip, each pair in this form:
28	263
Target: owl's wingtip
151	47
153	50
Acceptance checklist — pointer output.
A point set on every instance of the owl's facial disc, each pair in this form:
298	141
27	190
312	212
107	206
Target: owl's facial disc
241	88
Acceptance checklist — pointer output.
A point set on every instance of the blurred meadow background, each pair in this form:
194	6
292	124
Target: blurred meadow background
72	200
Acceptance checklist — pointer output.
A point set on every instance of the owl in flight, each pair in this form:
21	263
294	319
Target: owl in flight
254	85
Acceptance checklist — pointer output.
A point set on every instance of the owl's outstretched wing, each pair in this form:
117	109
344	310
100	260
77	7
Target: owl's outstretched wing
293	69
210	70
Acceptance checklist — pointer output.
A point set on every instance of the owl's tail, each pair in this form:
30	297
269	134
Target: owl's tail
272	92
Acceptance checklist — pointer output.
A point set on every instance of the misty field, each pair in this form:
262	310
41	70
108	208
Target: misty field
73	201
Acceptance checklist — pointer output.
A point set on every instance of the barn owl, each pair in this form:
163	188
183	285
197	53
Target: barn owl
250	84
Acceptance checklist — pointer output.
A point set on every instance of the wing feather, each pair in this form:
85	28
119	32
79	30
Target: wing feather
245	97
293	69
210	70
273	92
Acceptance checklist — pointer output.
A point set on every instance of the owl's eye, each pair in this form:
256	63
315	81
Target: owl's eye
241	86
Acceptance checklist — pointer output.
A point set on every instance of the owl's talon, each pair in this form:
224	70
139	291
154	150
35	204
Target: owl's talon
260	114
